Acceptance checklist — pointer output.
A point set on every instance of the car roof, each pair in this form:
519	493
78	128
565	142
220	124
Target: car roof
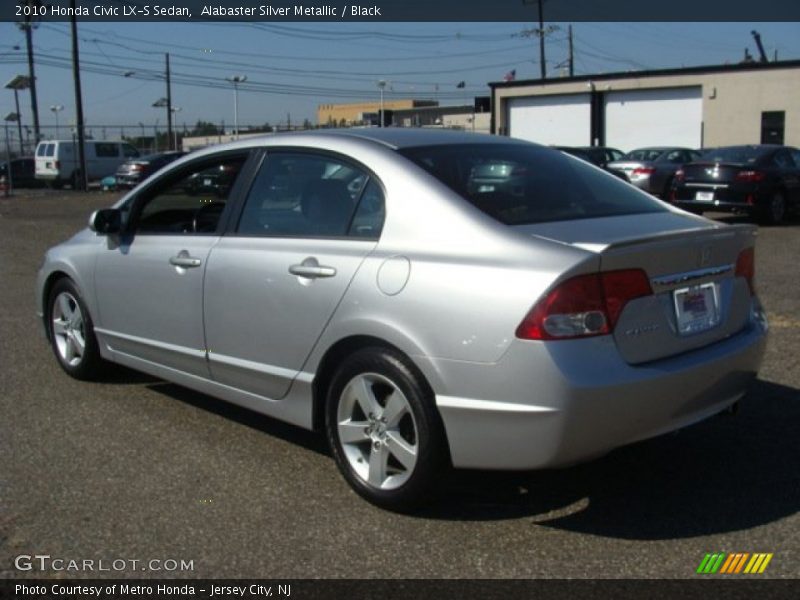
400	137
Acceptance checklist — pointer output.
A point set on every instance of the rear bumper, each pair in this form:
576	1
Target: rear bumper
740	198
558	403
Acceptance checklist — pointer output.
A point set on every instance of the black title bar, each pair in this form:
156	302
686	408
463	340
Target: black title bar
402	10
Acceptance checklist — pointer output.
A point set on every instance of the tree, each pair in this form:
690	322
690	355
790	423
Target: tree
204	128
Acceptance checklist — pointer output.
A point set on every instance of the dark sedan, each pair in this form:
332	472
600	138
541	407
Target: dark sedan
763	181
597	155
652	169
22	173
136	170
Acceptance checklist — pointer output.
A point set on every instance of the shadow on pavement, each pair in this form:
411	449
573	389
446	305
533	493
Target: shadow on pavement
726	474
285	431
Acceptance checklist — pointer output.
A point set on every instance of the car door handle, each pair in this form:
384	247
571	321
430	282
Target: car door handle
312	271
185	261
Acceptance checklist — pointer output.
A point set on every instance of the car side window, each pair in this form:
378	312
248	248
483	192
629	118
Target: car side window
311	195
675	156
190	202
106	150
368	220
782	159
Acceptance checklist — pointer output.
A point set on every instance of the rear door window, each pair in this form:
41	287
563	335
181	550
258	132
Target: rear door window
50	150
521	184
312	195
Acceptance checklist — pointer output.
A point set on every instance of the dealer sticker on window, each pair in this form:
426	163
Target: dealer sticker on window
696	308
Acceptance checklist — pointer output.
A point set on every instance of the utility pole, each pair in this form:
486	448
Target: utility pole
571	55
541	41
541	32
80	183
762	54
28	27
169	107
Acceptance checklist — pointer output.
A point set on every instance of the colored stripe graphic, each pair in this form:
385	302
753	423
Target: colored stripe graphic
734	563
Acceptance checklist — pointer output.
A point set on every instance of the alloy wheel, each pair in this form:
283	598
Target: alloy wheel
68	329
377	431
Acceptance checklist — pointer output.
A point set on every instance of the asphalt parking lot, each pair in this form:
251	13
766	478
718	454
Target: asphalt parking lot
136	468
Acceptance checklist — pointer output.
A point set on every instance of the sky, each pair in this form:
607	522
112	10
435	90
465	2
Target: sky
293	67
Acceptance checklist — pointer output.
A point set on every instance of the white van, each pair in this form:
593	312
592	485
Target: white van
57	161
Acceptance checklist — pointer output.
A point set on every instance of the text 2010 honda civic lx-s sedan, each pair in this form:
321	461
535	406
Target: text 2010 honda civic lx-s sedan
380	286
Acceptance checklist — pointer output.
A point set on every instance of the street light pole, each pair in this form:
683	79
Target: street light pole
176	109
10	184
381	86
57	108
19	123
236	80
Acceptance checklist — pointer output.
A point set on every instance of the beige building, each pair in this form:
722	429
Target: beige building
358	112
695	107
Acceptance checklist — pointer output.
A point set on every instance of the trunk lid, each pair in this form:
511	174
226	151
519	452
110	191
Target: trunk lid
691	265
712	172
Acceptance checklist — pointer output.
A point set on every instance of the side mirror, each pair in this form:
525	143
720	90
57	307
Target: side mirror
105	221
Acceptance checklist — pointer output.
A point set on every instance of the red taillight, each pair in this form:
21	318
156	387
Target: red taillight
135	167
584	306
750	176
746	267
643	171
58	164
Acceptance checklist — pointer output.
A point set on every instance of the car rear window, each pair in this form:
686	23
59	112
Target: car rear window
644	154
521	184
734	154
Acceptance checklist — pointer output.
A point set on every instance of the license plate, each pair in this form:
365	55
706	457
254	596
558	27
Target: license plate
207	182
696	308
704	196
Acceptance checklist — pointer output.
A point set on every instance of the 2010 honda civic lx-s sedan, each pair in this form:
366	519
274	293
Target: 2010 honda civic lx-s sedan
380	286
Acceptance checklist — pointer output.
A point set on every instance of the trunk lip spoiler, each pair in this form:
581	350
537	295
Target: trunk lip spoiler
717	230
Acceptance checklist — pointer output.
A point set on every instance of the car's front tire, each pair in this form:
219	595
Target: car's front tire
384	431
71	332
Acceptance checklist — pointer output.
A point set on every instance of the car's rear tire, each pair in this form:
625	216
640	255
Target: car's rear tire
384	431
774	212
71	332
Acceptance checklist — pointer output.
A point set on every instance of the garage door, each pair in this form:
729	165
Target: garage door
665	117
561	120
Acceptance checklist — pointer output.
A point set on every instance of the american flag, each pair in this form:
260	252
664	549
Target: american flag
511	75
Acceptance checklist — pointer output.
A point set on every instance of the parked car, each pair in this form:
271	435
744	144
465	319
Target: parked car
597	155
363	284
58	161
762	181
132	172
652	169
218	179
22	173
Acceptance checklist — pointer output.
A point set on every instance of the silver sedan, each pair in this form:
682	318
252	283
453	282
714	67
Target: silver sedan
427	299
